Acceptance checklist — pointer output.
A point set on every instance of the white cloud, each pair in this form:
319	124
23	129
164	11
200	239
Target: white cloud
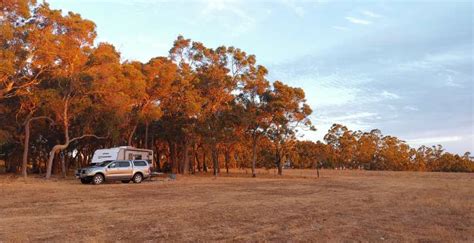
371	14
390	95
433	140
451	83
229	14
436	61
297	9
411	108
358	21
354	121
354	116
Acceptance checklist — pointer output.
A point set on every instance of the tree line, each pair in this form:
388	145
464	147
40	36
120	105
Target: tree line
62	97
372	150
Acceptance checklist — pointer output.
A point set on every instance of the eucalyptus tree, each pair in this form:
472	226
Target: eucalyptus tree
65	43
289	112
253	100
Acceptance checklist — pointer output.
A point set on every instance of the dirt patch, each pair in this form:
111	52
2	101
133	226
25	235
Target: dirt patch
341	206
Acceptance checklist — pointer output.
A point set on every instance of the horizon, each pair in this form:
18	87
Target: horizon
366	66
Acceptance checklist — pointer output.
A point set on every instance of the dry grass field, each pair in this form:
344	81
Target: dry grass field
339	206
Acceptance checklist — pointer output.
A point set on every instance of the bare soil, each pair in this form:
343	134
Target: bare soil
339	206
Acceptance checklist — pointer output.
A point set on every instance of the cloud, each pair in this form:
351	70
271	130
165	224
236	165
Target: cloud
354	116
371	14
410	108
297	9
437	61
390	95
451	83
230	15
358	21
434	140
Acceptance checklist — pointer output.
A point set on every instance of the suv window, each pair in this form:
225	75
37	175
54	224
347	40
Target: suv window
124	164
139	163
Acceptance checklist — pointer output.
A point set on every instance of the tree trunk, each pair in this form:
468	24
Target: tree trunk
215	159
25	148
26	142
158	160
185	157
278	161
254	156
197	160
174	166
60	147
204	164
227	158
280	165
63	164
53	152
193	165
146	135
130	137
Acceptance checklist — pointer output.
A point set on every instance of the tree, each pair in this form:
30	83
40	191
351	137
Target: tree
18	28
67	44
30	105
289	112
253	100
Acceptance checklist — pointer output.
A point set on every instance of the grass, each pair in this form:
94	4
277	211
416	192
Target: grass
339	206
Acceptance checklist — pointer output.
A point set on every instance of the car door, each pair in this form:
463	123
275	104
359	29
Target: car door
125	169
113	170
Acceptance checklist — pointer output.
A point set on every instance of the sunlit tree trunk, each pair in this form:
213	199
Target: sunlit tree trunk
278	161
59	147
26	142
130	137
254	155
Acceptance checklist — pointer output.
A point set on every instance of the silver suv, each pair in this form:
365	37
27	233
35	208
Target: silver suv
122	170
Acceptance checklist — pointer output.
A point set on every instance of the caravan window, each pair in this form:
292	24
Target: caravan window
134	156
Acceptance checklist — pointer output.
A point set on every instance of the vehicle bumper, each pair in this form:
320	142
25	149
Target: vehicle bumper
80	174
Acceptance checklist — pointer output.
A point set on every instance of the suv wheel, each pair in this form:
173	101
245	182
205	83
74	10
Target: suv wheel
137	178
98	179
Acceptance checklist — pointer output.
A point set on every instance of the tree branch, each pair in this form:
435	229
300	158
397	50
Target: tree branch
84	136
39	117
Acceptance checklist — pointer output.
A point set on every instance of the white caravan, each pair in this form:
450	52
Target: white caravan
122	153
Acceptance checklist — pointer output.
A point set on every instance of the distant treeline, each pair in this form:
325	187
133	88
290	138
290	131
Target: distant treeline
62	97
348	149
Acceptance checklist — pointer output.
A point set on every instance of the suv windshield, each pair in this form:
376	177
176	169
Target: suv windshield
102	164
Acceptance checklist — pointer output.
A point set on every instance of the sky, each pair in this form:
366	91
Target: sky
404	67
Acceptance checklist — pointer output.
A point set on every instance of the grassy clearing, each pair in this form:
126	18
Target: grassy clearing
341	205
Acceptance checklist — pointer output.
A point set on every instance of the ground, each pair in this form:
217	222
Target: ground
339	206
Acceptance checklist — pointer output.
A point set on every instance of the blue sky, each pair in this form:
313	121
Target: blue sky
405	67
